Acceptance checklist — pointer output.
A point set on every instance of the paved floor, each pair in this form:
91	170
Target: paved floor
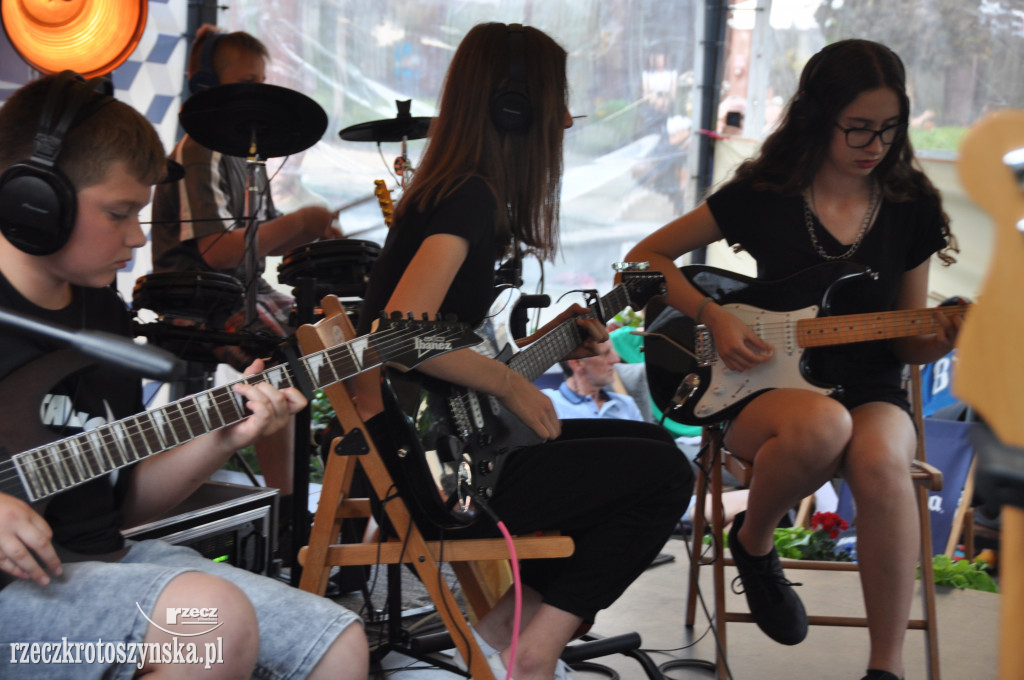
654	607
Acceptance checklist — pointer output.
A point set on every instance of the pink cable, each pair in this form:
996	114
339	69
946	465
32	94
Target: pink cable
517	584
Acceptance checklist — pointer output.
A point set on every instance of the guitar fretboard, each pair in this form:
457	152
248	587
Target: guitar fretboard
54	467
548	350
841	330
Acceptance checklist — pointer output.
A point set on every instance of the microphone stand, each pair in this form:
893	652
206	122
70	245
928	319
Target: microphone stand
111	349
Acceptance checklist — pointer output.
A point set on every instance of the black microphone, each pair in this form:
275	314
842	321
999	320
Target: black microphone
116	350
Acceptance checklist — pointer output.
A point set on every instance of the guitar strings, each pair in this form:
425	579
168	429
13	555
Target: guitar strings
861	326
222	398
171	421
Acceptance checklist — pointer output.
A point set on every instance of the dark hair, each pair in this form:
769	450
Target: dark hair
524	170
238	40
114	133
835	76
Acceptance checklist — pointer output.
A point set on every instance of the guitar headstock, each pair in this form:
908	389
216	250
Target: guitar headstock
640	282
990	368
383	194
991	166
409	342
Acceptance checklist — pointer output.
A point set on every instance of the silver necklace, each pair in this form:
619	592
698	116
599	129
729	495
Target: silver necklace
868	217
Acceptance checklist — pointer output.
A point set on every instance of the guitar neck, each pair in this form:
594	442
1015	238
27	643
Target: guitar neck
533	361
840	330
60	465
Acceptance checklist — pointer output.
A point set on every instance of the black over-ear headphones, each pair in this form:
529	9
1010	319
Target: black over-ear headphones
510	105
206	76
38	203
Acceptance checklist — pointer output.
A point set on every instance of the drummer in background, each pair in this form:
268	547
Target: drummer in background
199	225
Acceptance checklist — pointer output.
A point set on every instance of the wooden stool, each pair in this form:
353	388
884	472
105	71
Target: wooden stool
926	478
407	546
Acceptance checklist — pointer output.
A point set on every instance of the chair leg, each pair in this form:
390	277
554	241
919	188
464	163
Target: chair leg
699	523
718	539
928	587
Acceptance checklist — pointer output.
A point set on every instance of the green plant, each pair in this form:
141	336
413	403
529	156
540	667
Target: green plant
816	543
962	574
628	318
946	138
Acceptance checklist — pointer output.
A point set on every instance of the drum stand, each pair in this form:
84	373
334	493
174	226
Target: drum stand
253	204
305	306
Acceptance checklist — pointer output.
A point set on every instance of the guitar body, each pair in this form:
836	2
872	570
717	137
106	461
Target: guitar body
21	393
713	392
455	439
452	441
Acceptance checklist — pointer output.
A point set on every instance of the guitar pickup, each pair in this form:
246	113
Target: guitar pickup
703	346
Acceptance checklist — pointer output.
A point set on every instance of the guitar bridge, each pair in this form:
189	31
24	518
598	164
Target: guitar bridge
703	346
459	414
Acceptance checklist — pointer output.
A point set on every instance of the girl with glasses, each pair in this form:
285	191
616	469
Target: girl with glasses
836	183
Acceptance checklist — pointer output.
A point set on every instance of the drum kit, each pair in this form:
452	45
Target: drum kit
257	121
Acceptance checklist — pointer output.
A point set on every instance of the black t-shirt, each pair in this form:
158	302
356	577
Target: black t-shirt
467	212
86	518
772	229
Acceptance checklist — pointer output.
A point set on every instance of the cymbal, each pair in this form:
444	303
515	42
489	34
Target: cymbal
395	129
227	118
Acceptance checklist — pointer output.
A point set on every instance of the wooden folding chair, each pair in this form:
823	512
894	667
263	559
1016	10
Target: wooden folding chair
926	478
407	545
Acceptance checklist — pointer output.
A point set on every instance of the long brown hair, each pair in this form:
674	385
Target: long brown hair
523	169
835	76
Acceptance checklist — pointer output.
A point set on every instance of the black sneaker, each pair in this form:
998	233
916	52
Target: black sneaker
874	674
776	608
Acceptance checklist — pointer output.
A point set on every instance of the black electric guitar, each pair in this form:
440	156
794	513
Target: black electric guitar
451	440
690	383
45	469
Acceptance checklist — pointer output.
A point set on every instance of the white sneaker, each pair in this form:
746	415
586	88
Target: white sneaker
486	648
497	666
562	670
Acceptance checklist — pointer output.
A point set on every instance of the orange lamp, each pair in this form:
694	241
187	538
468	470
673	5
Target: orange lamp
92	37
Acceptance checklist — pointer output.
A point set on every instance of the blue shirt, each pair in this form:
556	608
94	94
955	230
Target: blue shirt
568	404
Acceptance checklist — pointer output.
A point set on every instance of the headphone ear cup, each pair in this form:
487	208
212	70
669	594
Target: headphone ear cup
38	205
510	110
202	80
206	76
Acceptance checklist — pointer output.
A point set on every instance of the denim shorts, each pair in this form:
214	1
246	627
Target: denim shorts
95	602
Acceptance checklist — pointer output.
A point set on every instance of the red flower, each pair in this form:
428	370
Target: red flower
829	522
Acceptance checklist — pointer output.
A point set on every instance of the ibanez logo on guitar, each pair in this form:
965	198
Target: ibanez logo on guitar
452	441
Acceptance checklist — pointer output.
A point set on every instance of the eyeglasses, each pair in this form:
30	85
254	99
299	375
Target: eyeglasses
858	138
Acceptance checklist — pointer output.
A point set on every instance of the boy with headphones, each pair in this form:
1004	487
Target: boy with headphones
198	223
77	168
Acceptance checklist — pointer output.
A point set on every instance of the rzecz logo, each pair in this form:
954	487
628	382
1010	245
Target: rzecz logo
204	617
